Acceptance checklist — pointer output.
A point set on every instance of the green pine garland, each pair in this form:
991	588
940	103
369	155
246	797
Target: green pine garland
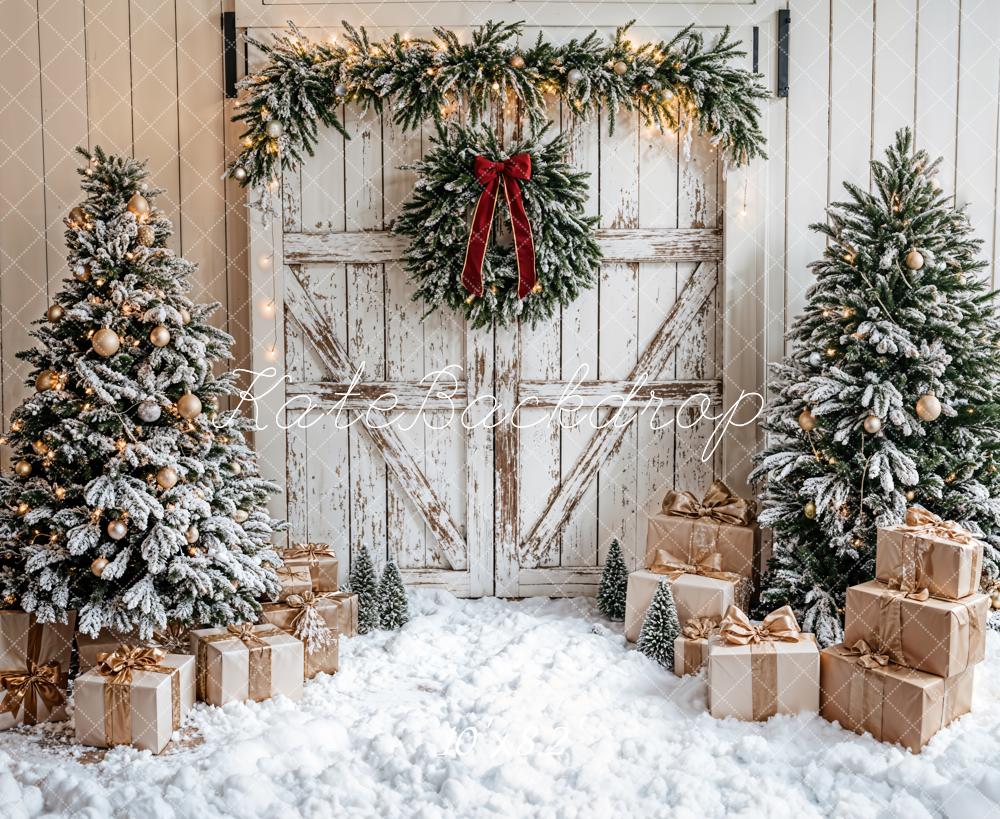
680	83
567	256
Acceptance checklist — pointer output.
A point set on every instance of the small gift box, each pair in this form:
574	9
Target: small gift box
34	668
295	578
134	696
863	691
720	523
174	639
942	637
757	671
322	563
928	553
691	647
347	612
313	619
247	662
703	594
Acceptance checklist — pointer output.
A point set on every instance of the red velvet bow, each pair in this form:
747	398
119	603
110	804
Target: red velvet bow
489	174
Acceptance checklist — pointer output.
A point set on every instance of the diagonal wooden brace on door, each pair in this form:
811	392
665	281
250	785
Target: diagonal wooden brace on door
397	457
607	438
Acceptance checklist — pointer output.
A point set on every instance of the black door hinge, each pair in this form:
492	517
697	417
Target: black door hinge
784	16
229	51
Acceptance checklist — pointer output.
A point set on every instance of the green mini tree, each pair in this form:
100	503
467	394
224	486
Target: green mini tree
614	582
393	609
365	584
888	396
661	627
134	499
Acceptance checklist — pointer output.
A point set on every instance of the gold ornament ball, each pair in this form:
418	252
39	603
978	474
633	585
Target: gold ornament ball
99	565
46	380
621	67
928	407
189	405
105	342
872	424
274	129
167	477
192	534
23	508
914	260
159	336
234	468
77	216
240	175
241	515
146	236
517	61
138	205
910	494
185	315
81	272
55	312
809	510
807	420
39	447
22	469
117	529
995	600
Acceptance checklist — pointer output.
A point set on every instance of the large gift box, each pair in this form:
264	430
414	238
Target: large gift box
863	691
247	662
174	639
295	578
691	645
697	595
322	563
314	620
942	637
134	696
34	668
347	612
719	523
757	671
926	552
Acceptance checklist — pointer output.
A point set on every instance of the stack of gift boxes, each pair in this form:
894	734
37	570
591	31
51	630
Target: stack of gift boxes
132	692
912	636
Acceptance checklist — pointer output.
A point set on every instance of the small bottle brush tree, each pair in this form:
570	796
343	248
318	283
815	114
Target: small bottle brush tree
133	499
365	584
614	583
888	397
661	627
393	609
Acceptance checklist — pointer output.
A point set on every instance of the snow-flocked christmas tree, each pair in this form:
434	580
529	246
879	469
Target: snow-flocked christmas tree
661	627
365	584
392	606
614	583
889	394
133	498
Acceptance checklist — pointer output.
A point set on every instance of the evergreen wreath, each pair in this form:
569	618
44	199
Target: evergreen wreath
435	220
683	84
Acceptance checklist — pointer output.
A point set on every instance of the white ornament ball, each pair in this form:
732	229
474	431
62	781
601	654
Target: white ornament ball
241	515
240	174
234	468
192	534
815	359
117	529
914	260
149	411
872	424
574	75
274	129
340	90
928	407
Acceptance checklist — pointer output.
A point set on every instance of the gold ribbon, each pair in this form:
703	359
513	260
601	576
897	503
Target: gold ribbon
919	525
696	632
866	692
890	620
174	639
718	504
36	681
119	666
865	655
312	551
700	628
704	565
778	626
259	662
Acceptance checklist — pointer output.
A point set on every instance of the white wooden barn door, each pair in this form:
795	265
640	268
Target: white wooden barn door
485	507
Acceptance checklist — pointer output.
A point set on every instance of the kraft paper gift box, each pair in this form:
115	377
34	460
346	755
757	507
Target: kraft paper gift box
926	552
174	639
322	563
942	637
247	662
295	578
134	696
315	620
864	692
691	646
719	523
757	671
347	612
696	595
34	668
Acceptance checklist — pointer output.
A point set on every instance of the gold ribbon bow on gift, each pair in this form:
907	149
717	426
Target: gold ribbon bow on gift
246	633
119	666
780	625
700	628
919	525
867	657
312	551
921	521
309	625
28	686
718	504
708	564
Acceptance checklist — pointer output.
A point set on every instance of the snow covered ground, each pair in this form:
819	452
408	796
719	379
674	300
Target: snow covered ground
493	708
